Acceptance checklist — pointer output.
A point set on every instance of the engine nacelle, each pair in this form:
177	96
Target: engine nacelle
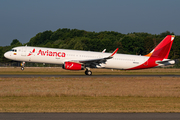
73	66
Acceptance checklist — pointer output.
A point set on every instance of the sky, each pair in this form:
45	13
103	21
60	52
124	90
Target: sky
23	19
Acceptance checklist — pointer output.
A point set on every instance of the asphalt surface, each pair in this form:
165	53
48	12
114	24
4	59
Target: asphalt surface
90	116
28	76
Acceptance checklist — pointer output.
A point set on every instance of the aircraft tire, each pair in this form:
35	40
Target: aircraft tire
22	68
88	72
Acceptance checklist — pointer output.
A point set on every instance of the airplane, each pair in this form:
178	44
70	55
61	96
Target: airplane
84	60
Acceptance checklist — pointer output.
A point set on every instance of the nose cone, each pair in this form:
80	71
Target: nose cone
6	55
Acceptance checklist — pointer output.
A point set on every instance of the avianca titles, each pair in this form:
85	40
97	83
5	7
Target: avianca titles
84	60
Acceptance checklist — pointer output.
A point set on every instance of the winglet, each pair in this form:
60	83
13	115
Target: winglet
104	51
114	52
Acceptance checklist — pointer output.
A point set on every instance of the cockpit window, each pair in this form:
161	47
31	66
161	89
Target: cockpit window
13	50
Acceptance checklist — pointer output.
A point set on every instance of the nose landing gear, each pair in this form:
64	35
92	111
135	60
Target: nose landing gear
22	66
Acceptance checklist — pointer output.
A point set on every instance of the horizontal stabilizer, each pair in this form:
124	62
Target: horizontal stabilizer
166	62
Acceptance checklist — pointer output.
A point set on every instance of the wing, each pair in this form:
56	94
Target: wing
100	60
94	62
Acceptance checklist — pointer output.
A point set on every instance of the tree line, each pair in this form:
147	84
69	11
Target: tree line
131	43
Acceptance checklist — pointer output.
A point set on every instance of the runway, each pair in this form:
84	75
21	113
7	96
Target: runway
89	116
71	76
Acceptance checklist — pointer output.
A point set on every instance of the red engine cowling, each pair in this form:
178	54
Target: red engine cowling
73	66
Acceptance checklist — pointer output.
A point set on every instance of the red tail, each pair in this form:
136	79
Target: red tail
163	48
160	52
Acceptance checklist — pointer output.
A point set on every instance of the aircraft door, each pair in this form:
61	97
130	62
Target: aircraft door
23	52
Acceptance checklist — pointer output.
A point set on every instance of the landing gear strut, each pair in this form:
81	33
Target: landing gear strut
88	71
22	66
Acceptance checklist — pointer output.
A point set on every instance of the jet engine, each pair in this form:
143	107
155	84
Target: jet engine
73	66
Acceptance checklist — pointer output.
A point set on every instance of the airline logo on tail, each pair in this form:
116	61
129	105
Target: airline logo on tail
159	53
163	48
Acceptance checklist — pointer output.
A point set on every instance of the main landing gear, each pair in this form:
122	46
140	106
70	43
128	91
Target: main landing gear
88	71
22	66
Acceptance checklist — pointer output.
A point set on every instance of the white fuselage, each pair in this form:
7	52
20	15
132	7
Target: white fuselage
59	56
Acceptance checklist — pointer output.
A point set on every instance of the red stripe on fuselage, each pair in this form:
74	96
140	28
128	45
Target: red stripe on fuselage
151	62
